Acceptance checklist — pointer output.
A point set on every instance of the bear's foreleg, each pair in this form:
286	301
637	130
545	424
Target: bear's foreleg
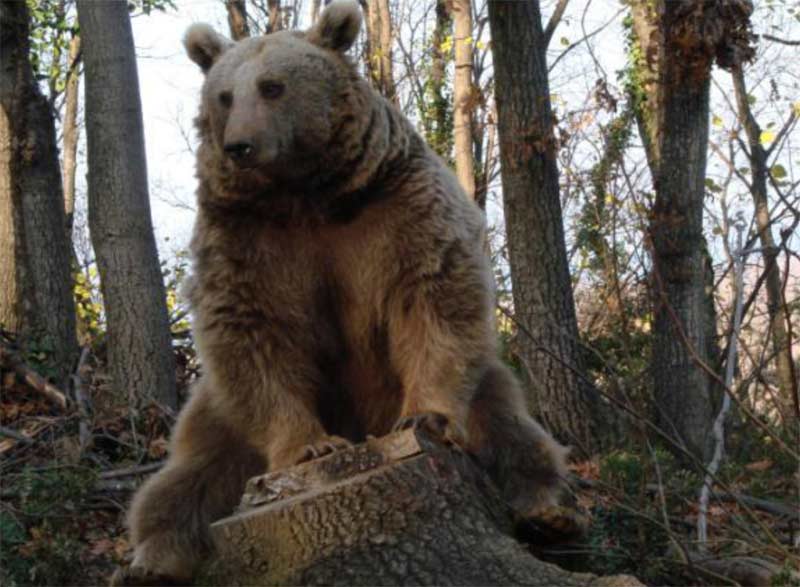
201	482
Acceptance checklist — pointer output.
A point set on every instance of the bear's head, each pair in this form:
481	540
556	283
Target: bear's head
273	106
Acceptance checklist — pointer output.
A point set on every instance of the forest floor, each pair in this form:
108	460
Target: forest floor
64	494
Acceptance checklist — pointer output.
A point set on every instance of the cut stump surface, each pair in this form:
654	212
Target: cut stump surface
403	509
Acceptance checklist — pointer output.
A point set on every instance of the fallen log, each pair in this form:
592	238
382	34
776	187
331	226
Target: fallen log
398	510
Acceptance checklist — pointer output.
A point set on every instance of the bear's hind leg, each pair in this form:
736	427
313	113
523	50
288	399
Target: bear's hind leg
527	464
202	481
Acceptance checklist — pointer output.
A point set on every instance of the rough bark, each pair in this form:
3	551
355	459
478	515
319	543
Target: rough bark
70	131
758	189
677	44
10	298
237	19
379	48
139	344
36	287
398	510
543	301
462	96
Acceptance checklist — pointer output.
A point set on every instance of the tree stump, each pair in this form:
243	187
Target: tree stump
403	509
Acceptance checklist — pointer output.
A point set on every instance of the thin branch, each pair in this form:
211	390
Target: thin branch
781	41
32	378
596	31
13	434
558	13
131	471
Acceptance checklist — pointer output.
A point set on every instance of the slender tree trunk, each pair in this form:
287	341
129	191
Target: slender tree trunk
438	124
462	96
387	68
758	189
10	246
37	290
275	16
379	48
71	131
314	11
237	19
140	350
672	114
543	301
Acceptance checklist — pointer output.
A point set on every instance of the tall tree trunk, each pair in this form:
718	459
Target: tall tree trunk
462	96
71	131
139	343
11	251
438	123
543	300
672	113
314	11
387	68
379	48
237	19
37	290
758	189
275	16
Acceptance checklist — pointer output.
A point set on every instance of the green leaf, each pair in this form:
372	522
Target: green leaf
778	171
565	41
712	186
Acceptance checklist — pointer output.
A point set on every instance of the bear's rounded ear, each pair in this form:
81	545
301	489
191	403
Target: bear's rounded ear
204	45
338	26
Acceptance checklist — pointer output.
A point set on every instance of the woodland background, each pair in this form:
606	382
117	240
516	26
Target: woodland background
639	165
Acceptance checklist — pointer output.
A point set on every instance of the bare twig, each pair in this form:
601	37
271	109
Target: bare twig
82	401
13	434
131	471
781	41
32	378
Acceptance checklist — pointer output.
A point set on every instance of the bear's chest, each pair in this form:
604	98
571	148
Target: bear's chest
337	275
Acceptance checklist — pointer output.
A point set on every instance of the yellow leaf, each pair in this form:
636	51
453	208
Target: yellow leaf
716	121
767	136
796	108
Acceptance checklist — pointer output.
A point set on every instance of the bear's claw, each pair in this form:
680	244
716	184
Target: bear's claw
323	447
141	577
554	524
435	423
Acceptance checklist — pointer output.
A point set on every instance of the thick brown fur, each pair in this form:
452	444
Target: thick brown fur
340	286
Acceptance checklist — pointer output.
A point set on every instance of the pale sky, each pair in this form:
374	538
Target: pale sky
170	85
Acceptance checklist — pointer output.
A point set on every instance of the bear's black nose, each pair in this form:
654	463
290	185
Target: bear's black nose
239	152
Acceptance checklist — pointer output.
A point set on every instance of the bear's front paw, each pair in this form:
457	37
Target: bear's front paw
553	525
324	446
136	576
434	423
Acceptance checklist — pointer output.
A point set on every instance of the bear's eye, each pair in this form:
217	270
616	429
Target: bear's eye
226	99
270	89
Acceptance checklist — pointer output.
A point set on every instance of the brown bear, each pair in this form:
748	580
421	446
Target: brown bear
340	288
